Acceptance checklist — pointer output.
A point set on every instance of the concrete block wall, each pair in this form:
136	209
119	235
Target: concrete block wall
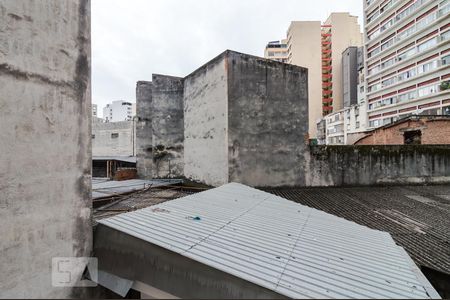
45	173
144	132
105	144
167	126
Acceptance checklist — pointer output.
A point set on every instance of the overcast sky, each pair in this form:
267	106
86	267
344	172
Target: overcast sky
131	39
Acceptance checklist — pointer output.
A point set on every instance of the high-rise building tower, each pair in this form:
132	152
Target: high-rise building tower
319	48
339	32
407	59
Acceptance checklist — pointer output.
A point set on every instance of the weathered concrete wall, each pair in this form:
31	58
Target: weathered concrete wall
267	121
206	123
167	126
371	165
105	143
45	173
144	133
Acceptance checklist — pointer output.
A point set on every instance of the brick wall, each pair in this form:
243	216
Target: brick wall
434	131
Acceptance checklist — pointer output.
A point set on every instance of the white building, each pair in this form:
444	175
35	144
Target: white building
277	50
407	58
114	139
119	111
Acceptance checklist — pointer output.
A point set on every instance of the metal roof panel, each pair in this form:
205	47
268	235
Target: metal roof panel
286	247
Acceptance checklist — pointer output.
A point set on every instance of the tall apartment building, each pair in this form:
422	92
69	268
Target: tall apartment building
119	111
407	59
319	47
350	76
339	32
276	50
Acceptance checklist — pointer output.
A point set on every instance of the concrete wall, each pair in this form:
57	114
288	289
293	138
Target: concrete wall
206	123
167	126
104	144
267	121
371	165
144	133
45	116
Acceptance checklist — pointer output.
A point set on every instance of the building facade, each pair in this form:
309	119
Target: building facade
277	50
407	59
339	32
319	47
114	139
350	76
119	111
304	49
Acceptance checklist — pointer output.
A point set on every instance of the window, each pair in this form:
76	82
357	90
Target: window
428	44
446	111
446	60
93	136
114	135
407	74
428	67
413	137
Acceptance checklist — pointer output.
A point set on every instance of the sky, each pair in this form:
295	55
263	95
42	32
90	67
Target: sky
132	39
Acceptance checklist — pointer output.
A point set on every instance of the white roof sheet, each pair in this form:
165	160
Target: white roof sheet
278	244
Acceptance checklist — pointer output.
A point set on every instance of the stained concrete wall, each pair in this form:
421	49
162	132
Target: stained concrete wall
45	116
372	165
267	121
144	133
246	120
105	144
206	123
167	126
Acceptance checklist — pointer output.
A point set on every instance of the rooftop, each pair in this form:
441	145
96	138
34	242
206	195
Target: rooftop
296	250
417	217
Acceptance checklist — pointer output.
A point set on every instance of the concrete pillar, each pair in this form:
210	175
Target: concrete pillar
45	160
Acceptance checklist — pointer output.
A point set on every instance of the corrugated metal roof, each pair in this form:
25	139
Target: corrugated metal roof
286	247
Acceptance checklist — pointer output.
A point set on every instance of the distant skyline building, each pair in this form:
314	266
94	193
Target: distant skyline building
350	76
407	59
339	31
277	50
119	111
319	48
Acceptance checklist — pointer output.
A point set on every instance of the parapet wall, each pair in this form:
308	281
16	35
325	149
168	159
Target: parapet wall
377	165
